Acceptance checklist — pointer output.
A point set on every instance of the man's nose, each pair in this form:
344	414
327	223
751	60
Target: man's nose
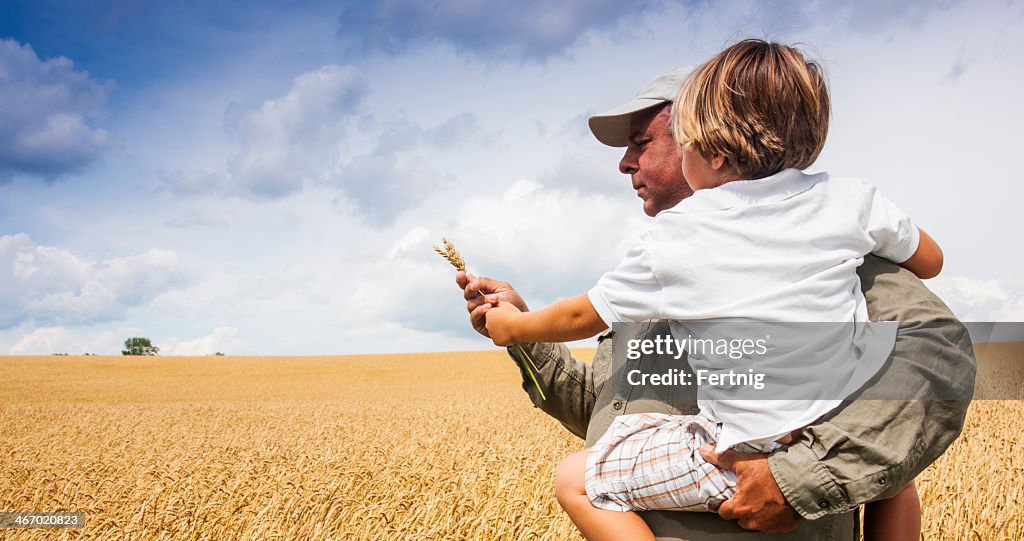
628	164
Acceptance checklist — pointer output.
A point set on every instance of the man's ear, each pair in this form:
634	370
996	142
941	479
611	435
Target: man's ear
718	162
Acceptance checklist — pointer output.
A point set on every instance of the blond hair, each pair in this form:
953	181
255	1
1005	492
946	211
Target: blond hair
761	105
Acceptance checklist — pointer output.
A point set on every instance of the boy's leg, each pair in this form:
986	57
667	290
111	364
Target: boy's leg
895	519
594	523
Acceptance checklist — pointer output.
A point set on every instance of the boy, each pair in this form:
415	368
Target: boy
758	240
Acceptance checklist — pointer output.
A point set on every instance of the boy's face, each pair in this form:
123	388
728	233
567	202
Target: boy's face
652	160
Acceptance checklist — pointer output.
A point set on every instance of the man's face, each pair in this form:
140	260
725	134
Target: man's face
653	161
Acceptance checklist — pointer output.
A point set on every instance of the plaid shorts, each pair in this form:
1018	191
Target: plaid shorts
652	461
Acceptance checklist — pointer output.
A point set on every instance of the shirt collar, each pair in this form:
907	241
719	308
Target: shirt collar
746	193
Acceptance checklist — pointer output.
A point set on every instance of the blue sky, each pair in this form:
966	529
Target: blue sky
256	178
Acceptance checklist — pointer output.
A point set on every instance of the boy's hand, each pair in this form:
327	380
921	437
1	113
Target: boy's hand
493	291
501	321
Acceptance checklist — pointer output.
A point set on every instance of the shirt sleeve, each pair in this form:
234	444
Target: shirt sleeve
568	383
895	236
631	292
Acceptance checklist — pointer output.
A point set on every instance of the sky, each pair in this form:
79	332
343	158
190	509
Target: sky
260	178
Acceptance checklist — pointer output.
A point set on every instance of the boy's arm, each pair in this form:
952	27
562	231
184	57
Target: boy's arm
564	321
571	385
927	260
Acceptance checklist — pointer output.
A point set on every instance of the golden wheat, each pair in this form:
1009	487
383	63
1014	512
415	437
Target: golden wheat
432	446
451	254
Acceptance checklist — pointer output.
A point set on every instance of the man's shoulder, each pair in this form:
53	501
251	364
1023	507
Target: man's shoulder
896	294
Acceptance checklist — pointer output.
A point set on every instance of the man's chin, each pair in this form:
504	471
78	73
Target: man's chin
648	205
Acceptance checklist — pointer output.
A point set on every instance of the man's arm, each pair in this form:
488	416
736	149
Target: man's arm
871	447
567	382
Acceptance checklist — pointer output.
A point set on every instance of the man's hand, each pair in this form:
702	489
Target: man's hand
758	503
501	320
494	291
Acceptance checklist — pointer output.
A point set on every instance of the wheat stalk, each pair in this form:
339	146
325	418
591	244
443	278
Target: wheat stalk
452	256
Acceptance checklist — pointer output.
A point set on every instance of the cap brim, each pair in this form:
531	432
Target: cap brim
612	126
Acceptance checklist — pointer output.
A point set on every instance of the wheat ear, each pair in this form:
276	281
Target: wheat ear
451	254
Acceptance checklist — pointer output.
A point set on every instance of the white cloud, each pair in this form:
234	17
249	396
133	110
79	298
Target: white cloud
410	288
547	242
553	242
54	287
289	140
388	337
43	341
222	339
50	340
315	135
974	299
414	240
589	169
415	294
46	107
405	163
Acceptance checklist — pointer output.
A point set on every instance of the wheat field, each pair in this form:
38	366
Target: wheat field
428	446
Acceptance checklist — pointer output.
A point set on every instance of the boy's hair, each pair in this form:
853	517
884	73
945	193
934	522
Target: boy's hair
761	105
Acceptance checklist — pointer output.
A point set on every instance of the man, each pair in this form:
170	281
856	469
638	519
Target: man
865	450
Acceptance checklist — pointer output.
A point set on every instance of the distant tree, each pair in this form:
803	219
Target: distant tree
218	354
139	346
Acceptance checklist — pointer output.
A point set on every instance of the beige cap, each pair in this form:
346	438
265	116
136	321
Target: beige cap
612	126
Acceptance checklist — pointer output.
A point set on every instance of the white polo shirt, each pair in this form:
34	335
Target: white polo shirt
780	249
